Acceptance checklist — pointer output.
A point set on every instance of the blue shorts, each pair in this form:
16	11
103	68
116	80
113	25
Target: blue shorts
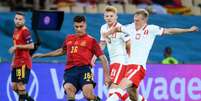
79	76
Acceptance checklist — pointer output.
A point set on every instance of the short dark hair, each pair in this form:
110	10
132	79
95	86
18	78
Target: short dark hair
79	18
168	50
20	13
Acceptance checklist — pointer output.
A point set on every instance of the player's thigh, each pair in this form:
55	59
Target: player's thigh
70	89
135	73
21	86
71	80
117	72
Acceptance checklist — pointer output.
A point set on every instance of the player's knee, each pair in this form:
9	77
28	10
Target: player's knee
133	97
70	90
88	94
14	87
20	86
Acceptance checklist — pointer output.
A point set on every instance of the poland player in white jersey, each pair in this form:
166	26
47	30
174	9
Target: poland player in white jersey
117	45
142	42
142	38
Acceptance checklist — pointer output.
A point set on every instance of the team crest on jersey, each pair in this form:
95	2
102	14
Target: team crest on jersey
146	32
83	43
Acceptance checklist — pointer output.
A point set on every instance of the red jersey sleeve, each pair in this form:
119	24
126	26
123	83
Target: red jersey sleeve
96	48
27	36
64	46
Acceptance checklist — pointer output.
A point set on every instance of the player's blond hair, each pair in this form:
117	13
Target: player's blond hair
111	9
142	12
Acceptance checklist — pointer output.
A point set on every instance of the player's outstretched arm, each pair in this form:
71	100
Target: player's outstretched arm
104	62
94	58
57	52
170	31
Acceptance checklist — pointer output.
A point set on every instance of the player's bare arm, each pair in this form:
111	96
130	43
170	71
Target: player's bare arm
128	47
104	62
170	31
54	53
27	46
102	45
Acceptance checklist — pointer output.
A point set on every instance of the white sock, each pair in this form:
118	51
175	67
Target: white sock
113	97
111	91
117	94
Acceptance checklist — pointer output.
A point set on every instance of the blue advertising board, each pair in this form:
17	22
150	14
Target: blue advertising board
180	82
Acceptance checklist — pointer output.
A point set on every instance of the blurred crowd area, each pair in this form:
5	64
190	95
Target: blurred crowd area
181	7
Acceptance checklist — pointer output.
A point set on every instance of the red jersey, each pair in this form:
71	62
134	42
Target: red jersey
80	50
22	36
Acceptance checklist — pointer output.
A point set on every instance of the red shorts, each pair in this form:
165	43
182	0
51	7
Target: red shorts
117	72
135	73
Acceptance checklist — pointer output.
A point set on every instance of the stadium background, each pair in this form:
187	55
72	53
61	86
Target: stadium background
163	82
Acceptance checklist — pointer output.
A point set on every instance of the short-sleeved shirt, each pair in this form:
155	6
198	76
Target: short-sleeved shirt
80	50
116	44
22	36
170	60
141	42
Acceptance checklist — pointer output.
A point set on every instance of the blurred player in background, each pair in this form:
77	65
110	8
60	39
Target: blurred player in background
168	58
117	44
142	38
22	62
79	49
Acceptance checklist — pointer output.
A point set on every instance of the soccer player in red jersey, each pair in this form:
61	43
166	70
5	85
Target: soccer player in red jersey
21	63
79	49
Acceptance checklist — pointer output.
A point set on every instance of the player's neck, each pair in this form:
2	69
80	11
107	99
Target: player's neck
80	34
140	26
113	24
20	27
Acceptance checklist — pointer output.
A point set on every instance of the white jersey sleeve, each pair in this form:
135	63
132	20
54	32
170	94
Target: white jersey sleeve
125	29
157	30
125	37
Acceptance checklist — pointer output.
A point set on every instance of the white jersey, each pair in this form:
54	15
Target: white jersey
141	42
116	44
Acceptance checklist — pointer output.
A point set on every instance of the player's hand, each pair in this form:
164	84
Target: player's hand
108	81
12	50
38	55
115	29
194	29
